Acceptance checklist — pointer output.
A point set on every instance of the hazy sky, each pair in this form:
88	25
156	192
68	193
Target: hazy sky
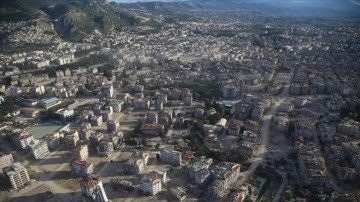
325	3
133	1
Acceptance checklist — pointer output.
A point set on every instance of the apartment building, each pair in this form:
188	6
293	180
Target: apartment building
151	117
137	163
224	174
96	120
187	100
17	175
92	188
234	127
199	164
54	140
202	178
39	149
81	168
85	131
141	103
229	91
117	105
81	152
162	98
22	139
113	126
158	105
106	116
95	139
107	91
71	139
151	182
105	148
170	156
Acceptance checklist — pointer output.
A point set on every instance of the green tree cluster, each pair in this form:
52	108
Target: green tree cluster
7	106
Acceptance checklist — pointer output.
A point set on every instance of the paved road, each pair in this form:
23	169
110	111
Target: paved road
282	186
264	141
265	135
79	102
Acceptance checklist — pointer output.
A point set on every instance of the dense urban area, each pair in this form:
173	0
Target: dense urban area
205	106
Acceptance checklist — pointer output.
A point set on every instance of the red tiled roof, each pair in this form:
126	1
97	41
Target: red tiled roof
188	154
151	126
80	163
88	182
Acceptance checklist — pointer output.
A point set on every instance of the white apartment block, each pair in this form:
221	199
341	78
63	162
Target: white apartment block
151	183
18	175
93	189
22	139
39	149
137	163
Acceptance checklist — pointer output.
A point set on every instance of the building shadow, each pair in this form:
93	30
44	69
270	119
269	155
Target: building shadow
46	196
51	161
56	175
113	168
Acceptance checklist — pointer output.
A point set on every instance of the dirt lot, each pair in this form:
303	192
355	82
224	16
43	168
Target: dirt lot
40	193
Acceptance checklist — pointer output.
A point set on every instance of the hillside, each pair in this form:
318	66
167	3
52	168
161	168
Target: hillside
71	19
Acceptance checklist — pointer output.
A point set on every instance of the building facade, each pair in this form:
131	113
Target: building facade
92	188
81	152
39	149
81	168
17	175
105	148
170	156
151	183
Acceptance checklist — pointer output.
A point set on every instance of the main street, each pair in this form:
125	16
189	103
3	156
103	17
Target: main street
265	134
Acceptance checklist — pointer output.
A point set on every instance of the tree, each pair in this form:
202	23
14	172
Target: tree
157	146
207	103
162	135
108	74
214	118
144	143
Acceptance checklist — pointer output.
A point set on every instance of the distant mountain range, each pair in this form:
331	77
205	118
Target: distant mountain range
318	8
